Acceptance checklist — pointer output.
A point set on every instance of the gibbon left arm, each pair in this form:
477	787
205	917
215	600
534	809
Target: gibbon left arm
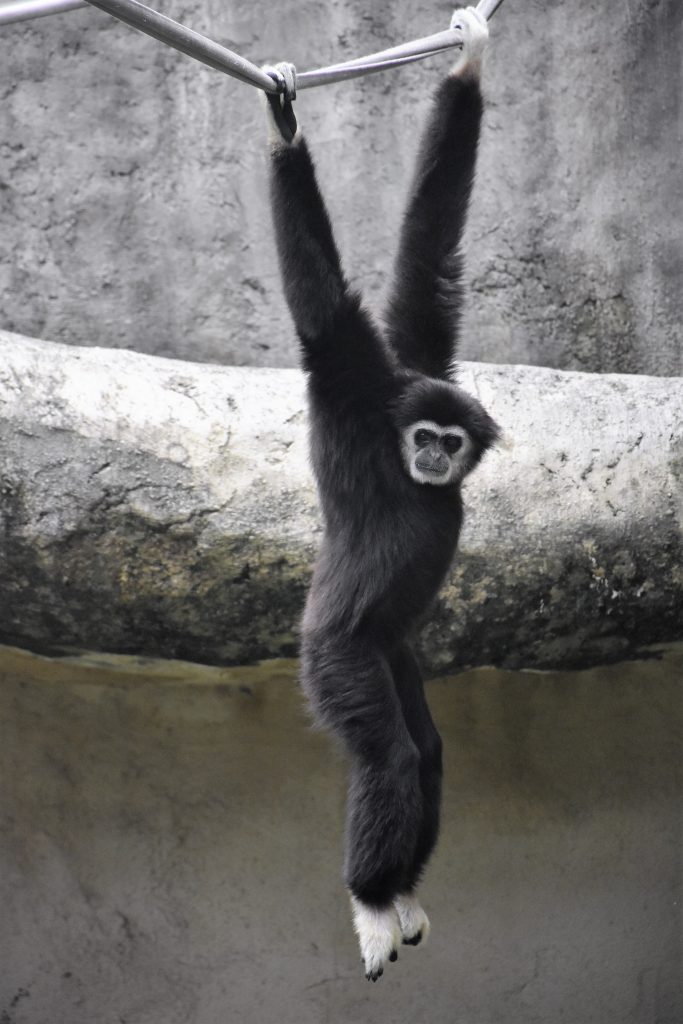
426	298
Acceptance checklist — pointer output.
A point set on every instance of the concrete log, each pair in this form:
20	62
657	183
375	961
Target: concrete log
159	507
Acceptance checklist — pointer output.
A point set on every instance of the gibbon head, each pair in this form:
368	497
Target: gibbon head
444	431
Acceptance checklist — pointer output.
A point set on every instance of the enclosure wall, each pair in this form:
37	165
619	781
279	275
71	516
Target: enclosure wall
133	181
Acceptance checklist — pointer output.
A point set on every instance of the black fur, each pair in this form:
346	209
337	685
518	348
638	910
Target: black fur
389	541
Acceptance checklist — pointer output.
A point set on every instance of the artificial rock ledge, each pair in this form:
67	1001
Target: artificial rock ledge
165	508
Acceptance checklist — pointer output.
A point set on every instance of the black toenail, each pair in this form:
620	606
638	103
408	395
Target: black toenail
393	956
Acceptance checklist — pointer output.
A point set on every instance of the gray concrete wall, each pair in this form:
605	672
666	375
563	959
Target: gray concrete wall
133	186
171	851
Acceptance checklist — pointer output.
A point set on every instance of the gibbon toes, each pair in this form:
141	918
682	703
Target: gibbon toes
381	930
412	919
379	935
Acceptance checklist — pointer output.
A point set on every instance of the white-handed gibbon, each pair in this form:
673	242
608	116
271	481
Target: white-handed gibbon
392	437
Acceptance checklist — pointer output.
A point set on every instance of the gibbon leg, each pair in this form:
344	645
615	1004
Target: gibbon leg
351	690
410	689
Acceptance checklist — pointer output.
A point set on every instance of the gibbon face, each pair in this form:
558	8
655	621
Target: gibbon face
443	431
436	455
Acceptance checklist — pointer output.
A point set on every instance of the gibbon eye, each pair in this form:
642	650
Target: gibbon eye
452	443
423	437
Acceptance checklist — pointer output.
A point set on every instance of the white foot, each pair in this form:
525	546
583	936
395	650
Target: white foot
379	936
413	920
475	35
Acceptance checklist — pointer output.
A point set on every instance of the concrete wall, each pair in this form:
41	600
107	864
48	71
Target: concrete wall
132	181
171	851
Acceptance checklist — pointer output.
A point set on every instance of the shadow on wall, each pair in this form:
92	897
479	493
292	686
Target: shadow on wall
172	850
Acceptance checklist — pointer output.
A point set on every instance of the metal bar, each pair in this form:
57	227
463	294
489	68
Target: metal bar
487	8
195	45
394	56
23	10
186	40
339	73
417	47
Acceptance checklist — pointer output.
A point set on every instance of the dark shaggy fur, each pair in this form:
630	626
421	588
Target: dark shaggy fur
388	541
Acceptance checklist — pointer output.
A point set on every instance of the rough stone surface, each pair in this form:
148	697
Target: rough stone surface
133	181
171	851
167	508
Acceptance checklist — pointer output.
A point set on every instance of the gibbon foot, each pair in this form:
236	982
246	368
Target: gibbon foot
475	36
379	935
412	919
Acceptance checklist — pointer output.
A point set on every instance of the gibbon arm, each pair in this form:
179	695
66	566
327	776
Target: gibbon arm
425	301
312	276
340	344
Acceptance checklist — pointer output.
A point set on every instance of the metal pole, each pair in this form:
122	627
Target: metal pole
340	73
195	45
186	40
395	56
22	10
487	8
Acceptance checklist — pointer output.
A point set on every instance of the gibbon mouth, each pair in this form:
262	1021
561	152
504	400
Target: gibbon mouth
431	470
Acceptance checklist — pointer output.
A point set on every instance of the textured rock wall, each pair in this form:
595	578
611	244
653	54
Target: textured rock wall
133	185
158	507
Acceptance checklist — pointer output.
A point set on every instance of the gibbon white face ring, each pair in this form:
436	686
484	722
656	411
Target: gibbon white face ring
436	455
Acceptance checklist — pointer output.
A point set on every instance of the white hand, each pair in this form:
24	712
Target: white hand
475	35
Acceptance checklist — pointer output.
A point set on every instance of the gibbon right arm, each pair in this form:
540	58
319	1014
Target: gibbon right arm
313	280
341	346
